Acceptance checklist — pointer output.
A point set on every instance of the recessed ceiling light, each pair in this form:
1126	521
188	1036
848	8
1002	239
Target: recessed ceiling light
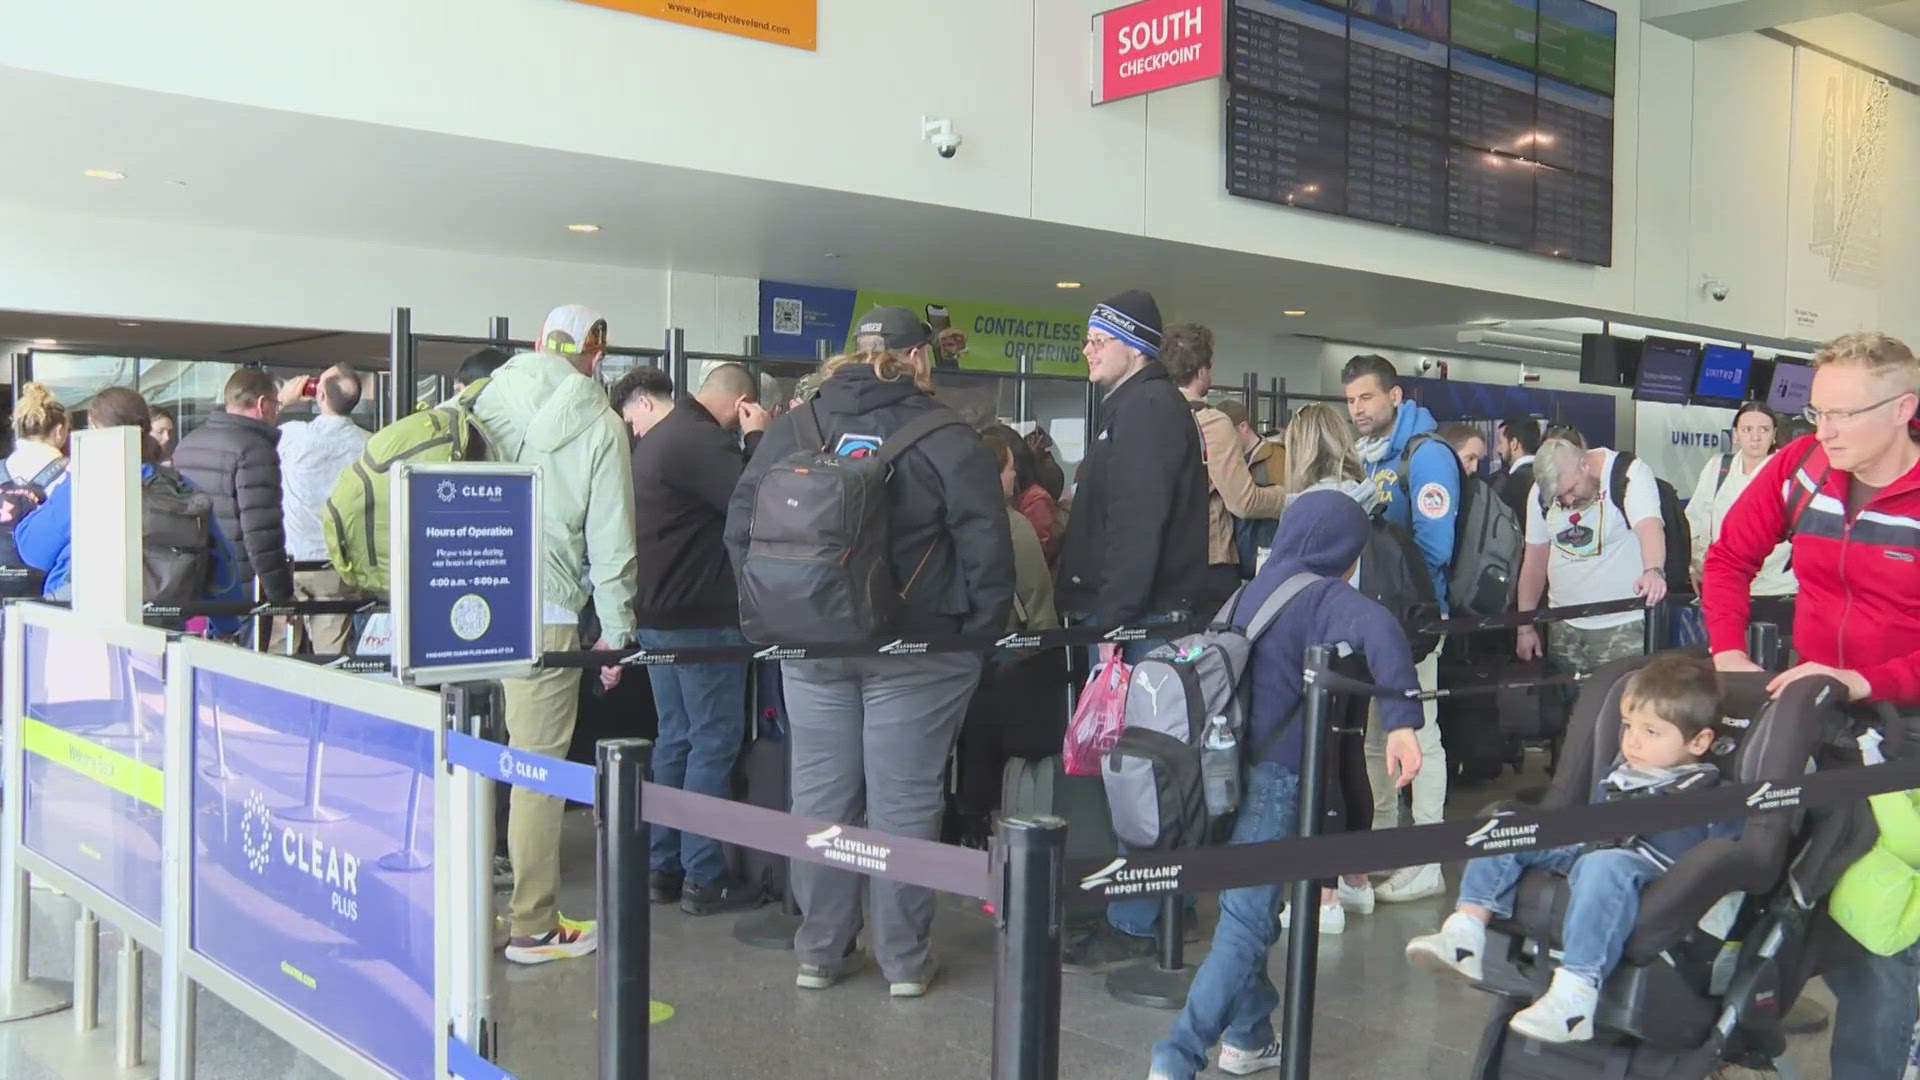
831	255
1295	312
45	341
1066	284
128	322
104	174
583	228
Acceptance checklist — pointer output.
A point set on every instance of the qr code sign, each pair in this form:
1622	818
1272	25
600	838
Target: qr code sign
786	316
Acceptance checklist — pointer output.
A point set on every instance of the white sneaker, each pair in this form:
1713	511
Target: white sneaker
1563	1014
1247	1062
1412	883
1456	948
1357	899
919	984
1333	918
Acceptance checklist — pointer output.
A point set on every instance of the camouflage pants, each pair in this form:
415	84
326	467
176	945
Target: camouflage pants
1574	649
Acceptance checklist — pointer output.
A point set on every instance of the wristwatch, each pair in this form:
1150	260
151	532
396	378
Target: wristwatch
1660	570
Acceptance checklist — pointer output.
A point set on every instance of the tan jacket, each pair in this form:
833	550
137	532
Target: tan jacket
1231	492
1032	582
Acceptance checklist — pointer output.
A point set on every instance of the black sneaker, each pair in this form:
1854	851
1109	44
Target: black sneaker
1104	949
662	887
712	898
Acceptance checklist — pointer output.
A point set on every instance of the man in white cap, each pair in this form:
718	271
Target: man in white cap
544	407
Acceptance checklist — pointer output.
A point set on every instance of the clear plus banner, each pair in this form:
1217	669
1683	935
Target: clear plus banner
1156	44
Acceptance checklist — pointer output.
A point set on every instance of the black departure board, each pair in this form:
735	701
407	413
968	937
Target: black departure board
1487	120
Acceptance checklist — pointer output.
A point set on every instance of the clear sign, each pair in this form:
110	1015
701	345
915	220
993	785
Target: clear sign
1154	45
466	571
92	728
311	862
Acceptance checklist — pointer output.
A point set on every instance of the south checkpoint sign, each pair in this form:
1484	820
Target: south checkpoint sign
1156	44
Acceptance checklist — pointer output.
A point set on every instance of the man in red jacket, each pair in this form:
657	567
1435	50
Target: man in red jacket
1848	497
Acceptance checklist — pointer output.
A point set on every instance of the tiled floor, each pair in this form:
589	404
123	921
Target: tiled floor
738	1014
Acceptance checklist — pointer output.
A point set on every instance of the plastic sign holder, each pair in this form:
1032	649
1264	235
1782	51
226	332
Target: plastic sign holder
467	561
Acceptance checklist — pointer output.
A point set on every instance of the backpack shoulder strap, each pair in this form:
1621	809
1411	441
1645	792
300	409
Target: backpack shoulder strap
1418	440
1617	479
916	429
49	474
806	424
1726	466
1802	498
1276	603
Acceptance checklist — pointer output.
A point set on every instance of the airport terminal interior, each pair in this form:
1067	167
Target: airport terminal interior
1618	225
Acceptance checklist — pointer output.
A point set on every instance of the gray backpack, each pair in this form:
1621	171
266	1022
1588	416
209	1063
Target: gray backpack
817	567
1153	773
176	535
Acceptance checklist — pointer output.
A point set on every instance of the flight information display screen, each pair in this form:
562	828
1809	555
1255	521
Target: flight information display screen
1487	120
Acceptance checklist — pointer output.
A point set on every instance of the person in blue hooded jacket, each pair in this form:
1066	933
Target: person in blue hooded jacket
45	536
1425	503
1232	998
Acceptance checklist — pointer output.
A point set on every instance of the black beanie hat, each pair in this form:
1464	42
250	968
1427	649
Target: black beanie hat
1132	317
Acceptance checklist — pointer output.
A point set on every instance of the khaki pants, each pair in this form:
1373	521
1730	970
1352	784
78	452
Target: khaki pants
1429	788
327	635
540	715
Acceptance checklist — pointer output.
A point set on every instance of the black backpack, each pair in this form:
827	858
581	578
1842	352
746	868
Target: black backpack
176	537
817	568
1672	517
18	498
1393	573
1487	543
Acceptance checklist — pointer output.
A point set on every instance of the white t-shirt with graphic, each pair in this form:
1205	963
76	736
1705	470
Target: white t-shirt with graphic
1592	554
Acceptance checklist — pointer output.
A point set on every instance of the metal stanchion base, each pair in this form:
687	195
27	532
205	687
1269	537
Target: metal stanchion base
35	997
1149	985
404	861
769	929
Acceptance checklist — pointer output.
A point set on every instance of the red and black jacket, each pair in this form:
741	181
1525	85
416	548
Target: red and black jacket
1858	602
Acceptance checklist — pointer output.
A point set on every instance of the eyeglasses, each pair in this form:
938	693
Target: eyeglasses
1844	416
1097	341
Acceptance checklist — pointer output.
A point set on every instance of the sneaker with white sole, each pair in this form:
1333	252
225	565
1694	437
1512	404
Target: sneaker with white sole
1412	883
1240	1062
919	984
1563	1014
824	976
571	939
1456	948
1357	899
1333	918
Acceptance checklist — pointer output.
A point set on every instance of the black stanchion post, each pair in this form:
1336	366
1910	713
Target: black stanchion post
1303	935
750	345
1658	628
400	366
1763	645
498	331
1022	398
620	835
1279	415
676	360
1030	855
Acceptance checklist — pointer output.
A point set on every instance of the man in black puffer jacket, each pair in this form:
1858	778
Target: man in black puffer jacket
232	457
1136	540
871	734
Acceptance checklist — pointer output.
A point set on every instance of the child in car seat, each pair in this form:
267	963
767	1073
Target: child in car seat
1667	714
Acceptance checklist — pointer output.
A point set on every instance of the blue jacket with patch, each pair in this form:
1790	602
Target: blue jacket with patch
1426	503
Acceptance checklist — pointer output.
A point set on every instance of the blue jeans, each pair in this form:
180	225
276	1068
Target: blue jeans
1232	998
1138	918
1605	899
1875	1007
703	718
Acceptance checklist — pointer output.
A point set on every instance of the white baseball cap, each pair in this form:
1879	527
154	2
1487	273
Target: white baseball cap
567	328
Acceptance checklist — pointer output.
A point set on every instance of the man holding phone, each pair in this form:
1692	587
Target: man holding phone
313	454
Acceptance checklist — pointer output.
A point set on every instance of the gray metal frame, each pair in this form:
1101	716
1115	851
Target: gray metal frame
182	969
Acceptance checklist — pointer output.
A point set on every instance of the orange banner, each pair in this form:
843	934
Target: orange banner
783	22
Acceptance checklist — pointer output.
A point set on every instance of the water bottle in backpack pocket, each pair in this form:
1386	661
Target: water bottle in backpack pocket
1185	723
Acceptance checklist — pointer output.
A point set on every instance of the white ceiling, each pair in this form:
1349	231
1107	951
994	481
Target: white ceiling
1903	16
197	162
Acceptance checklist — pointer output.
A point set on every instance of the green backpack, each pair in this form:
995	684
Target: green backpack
356	518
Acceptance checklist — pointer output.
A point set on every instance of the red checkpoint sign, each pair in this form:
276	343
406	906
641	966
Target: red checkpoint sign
1155	44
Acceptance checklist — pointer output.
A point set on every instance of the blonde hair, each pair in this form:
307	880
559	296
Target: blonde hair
36	414
1883	355
1319	446
890	365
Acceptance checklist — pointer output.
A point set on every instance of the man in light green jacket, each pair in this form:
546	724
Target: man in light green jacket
545	408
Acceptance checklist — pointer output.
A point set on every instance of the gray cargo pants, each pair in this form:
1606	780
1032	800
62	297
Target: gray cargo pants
871	737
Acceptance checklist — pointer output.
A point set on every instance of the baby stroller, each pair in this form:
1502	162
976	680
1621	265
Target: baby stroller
1676	1005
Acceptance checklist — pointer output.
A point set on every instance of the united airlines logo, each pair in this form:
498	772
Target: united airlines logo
256	833
445	491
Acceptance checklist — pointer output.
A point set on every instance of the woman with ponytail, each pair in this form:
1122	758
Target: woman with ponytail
40	430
